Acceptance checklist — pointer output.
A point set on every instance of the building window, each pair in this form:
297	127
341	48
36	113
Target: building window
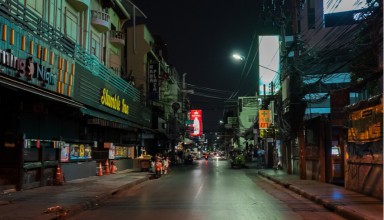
54	13
35	5
95	45
71	25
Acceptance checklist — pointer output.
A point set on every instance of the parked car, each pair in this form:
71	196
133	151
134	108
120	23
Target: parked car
237	159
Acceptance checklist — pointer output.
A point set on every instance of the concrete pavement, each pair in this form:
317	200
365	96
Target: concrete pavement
60	202
348	204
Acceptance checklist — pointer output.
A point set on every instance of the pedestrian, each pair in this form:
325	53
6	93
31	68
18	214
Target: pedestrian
165	165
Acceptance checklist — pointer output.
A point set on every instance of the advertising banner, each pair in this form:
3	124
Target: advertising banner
197	118
80	152
65	151
366	125
121	152
264	119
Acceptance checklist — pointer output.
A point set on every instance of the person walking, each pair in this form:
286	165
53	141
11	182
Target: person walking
165	165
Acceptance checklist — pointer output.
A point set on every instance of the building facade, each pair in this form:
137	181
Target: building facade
65	97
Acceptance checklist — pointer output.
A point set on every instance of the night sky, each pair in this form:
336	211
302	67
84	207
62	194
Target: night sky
201	37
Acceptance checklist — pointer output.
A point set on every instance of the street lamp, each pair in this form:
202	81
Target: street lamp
237	56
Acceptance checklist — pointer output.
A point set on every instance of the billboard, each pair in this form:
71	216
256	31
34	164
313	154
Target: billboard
197	125
269	62
264	119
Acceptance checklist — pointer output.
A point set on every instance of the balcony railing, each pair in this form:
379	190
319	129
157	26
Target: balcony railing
92	63
30	22
117	38
101	21
79	5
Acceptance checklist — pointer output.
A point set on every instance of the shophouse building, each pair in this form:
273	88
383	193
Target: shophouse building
324	77
66	99
327	122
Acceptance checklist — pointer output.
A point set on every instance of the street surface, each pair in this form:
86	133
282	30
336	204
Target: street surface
208	190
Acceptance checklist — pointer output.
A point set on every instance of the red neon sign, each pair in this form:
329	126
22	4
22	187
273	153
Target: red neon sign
197	125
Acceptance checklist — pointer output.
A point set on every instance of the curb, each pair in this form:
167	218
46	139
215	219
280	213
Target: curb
72	210
350	214
338	209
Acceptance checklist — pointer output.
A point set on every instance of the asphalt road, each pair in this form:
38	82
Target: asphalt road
208	190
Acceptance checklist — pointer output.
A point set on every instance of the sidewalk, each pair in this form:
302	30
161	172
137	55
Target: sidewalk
58	202
346	203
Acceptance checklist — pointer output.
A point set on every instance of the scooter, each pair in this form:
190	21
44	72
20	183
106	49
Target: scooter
158	167
206	157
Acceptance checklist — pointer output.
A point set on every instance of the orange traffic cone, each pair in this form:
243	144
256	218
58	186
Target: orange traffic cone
107	171
59	180
100	170
113	167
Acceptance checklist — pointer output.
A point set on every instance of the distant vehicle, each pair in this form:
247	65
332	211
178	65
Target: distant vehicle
237	159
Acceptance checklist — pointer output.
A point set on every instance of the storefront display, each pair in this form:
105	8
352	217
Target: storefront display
119	152
80	152
75	152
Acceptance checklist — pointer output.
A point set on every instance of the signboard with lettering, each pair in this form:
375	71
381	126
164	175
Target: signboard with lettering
37	64
197	118
264	119
153	81
114	102
366	125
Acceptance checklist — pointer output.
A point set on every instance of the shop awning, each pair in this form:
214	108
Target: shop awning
41	92
105	119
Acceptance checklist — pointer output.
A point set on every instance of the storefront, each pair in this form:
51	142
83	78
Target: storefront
364	150
56	112
36	106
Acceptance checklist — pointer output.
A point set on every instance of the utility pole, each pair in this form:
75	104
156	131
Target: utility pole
286	145
300	130
295	102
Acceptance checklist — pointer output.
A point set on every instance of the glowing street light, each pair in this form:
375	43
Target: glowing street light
238	56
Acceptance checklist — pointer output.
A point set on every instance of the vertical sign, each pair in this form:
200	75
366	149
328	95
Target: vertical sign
264	119
197	124
153	81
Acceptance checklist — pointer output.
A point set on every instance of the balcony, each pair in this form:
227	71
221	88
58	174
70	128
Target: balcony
100	20
79	5
117	38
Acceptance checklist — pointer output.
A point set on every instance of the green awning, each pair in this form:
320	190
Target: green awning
105	119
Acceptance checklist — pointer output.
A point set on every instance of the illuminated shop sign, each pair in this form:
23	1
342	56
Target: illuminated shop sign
197	118
113	102
366	125
264	119
27	69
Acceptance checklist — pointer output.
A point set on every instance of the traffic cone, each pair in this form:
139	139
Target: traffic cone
113	167
100	170
59	179
107	171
